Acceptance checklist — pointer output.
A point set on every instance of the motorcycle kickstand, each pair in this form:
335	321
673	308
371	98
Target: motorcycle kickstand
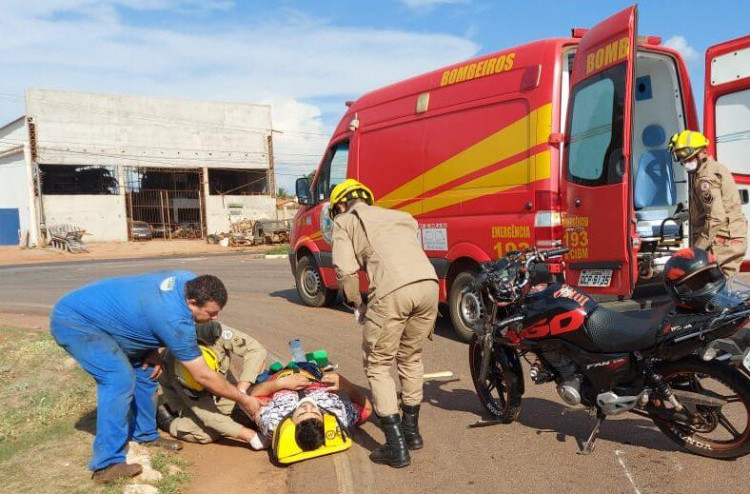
485	422
588	447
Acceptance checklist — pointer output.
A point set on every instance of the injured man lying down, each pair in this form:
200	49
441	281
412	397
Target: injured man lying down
303	398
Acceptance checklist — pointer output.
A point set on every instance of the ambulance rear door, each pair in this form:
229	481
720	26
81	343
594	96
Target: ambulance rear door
726	118
597	197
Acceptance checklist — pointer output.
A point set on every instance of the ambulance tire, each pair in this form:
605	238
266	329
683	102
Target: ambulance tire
460	325
310	285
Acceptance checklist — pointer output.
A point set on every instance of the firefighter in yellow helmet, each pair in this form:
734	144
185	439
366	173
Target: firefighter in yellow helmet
400	312
716	220
189	412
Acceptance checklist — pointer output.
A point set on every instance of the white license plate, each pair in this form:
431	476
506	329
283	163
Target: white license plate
595	277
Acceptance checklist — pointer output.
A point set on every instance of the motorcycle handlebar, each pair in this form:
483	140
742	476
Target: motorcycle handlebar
533	256
555	252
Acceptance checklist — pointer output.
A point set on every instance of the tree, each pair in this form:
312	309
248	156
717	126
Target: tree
282	193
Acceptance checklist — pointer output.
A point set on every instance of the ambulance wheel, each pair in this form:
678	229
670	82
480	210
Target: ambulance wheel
310	286
465	309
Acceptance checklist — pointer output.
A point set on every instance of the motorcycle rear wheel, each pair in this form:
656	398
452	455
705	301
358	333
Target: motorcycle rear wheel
501	391
725	431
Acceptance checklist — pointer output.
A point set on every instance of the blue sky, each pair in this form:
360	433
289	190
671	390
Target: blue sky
305	58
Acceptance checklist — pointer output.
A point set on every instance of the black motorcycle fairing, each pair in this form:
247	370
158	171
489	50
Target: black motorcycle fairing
553	302
602	371
612	331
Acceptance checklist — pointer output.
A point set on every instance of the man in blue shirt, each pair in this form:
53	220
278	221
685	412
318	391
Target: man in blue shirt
114	328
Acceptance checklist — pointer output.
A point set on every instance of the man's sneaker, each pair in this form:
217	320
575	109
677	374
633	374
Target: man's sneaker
168	444
164	418
115	472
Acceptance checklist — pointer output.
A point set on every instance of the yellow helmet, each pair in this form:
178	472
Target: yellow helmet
348	190
686	144
184	377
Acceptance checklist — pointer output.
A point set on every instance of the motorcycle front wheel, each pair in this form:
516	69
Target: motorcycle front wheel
500	392
719	431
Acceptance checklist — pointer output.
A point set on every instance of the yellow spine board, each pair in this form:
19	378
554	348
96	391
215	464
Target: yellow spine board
285	447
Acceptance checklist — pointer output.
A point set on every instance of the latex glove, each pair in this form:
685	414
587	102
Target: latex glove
359	313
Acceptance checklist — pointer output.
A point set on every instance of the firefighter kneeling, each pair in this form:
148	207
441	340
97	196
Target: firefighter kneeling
189	412
400	313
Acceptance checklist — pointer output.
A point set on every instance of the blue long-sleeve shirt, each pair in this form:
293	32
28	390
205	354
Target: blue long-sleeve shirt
141	312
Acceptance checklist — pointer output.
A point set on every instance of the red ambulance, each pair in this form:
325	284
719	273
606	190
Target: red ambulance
556	142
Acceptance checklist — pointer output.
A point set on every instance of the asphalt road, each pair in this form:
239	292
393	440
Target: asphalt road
535	454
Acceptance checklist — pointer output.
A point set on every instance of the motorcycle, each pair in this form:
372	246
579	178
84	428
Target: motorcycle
652	363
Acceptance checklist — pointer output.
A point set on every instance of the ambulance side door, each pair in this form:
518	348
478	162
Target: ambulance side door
726	117
597	181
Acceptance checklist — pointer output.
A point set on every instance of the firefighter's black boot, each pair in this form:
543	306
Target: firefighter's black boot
164	418
410	426
393	452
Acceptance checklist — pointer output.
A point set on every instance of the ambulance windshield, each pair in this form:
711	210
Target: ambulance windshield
595	123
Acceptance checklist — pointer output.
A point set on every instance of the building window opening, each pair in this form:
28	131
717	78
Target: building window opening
237	182
168	201
162	179
78	180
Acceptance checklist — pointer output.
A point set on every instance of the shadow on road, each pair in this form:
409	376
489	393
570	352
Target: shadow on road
290	294
460	400
551	417
444	328
364	439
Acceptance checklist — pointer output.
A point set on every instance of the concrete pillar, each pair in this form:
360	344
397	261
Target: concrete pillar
35	235
205	201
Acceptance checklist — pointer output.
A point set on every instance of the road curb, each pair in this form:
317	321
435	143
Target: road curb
277	256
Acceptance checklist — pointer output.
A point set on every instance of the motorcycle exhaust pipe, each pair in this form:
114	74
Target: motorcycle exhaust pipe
698	399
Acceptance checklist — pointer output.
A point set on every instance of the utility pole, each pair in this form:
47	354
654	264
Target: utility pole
36	199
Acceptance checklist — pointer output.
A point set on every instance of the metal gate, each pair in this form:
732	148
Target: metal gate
10	224
170	213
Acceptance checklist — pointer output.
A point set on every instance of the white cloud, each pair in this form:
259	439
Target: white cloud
417	4
85	45
680	44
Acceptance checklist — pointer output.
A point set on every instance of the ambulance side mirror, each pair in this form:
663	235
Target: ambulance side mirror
302	189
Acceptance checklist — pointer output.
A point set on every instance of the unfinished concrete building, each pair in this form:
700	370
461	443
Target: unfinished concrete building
103	163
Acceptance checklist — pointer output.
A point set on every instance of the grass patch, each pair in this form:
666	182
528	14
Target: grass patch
44	391
277	249
173	469
47	415
46	403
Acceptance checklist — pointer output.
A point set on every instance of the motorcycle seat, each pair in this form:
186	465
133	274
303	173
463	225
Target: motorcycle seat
613	332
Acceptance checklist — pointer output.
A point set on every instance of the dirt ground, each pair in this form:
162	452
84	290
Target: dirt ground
24	320
126	250
241	469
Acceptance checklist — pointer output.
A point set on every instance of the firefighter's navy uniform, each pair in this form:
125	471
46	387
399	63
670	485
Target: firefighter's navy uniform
716	220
